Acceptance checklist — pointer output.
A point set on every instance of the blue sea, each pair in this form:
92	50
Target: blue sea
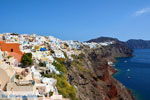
134	73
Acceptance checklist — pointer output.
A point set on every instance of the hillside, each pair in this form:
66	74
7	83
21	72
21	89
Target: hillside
66	69
119	46
138	44
103	39
92	75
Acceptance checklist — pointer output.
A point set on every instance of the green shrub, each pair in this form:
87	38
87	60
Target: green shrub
29	55
65	44
49	75
64	88
42	64
52	51
78	65
50	93
27	59
79	57
65	55
9	57
59	64
60	60
60	67
18	76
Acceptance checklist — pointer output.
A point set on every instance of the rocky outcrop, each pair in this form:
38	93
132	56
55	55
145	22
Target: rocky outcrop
117	49
138	44
92	76
103	39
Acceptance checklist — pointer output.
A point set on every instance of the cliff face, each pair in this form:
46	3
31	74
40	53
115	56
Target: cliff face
103	39
92	76
132	43
117	49
138	44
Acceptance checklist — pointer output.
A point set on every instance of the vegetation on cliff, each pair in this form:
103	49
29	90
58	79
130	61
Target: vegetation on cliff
63	86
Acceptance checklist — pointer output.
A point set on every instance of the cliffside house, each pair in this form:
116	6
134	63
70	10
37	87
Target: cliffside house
13	49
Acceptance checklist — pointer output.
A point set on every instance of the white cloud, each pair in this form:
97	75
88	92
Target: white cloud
142	11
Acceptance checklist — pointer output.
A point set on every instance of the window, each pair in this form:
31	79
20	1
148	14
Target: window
12	50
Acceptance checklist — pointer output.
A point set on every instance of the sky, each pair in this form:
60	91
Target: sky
77	19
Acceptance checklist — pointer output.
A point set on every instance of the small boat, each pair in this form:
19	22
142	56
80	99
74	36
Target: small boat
129	77
128	70
125	61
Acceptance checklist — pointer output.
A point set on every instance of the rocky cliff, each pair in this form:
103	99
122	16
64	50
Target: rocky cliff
117	49
138	44
103	39
90	73
88	76
132	43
